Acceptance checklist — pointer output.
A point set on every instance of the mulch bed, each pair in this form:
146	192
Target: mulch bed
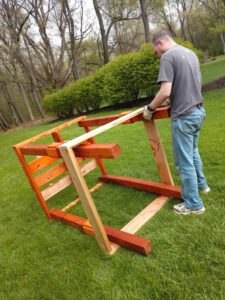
219	83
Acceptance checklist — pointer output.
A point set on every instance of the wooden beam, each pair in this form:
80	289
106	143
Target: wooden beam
42	150
160	113
124	239
86	199
143	217
158	152
153	187
85	151
97	150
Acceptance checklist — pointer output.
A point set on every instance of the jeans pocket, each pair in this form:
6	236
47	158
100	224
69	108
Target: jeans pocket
191	126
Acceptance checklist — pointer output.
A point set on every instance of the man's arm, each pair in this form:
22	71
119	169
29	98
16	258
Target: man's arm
162	95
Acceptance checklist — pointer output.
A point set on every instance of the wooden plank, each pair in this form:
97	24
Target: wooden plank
88	167
158	152
88	135
143	217
153	187
124	239
40	163
42	150
48	132
64	182
98	151
56	187
129	241
74	202
86	199
160	113
50	174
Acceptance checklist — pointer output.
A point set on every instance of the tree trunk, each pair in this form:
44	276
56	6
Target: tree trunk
16	114
3	122
36	99
32	118
144	16
103	33
222	41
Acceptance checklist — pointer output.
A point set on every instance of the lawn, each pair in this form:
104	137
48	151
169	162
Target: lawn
213	70
40	259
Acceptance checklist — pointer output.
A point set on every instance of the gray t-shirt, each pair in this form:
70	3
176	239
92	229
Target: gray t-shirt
180	66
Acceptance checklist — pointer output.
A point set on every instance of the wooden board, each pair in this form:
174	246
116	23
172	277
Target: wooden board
50	174
153	187
160	113
40	163
143	217
158	152
86	199
98	151
124	239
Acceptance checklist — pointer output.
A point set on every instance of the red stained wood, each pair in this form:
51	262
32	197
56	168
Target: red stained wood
160	113
41	150
153	187
86	150
98	150
129	241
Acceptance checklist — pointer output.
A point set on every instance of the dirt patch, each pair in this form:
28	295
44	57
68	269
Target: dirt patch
218	83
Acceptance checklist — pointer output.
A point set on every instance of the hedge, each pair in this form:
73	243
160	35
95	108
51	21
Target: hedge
128	77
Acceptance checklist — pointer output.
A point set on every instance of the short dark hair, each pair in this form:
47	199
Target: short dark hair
161	34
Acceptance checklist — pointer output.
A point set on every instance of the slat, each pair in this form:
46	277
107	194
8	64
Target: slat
40	163
64	182
50	174
153	187
56	187
160	113
124	239
88	167
97	150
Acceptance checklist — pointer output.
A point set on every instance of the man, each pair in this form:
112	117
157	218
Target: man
180	80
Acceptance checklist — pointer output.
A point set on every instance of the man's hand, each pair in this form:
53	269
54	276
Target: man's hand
147	113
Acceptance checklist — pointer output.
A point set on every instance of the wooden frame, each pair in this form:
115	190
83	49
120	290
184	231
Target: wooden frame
67	156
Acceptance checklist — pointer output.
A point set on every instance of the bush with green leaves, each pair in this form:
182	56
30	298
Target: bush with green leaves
128	77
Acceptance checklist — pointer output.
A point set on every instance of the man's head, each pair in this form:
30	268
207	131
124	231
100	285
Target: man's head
162	41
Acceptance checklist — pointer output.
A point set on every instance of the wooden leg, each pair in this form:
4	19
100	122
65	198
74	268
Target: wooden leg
85	198
158	152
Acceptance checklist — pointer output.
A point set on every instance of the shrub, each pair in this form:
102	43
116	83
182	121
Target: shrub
128	77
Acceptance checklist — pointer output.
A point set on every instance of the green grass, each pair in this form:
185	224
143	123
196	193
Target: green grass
213	70
41	259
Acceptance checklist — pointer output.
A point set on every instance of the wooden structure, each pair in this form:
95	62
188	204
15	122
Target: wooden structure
67	161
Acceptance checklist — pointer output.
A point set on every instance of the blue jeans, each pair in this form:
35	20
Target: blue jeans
185	133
